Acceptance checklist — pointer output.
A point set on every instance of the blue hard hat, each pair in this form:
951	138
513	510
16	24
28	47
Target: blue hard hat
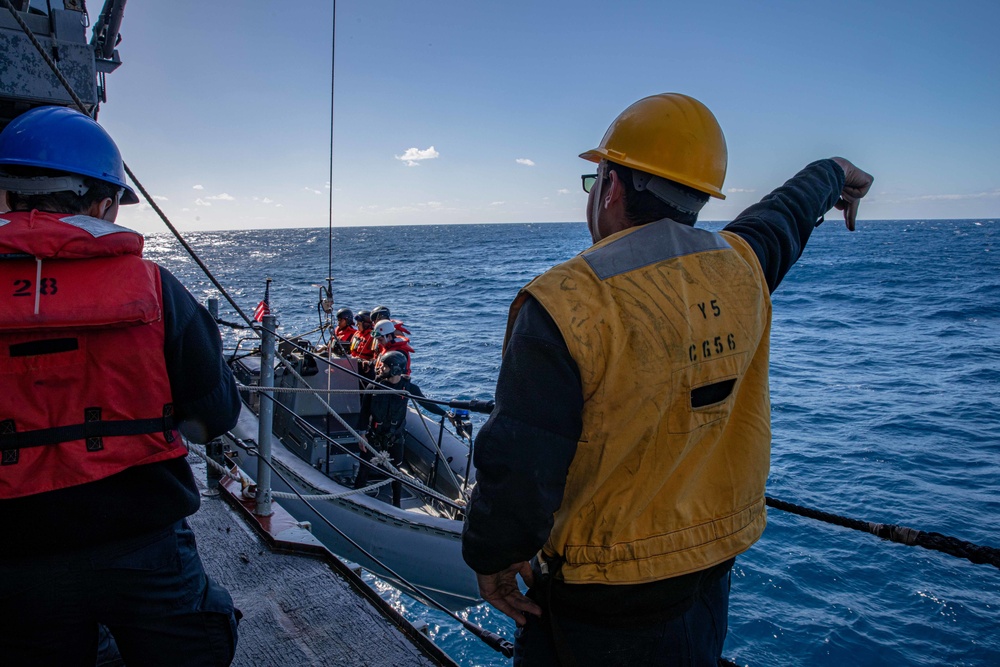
64	140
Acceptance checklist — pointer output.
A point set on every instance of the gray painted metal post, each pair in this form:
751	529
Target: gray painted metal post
266	416
214	448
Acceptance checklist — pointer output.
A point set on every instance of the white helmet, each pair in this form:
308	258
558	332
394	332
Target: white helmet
384	328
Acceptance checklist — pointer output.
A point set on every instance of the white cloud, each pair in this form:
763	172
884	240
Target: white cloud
562	191
412	156
497	203
432	204
732	190
525	161
977	195
202	202
223	197
312	190
198	187
160	198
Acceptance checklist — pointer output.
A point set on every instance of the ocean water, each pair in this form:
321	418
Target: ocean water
885	387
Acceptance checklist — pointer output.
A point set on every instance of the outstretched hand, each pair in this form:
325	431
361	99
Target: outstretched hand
500	590
856	185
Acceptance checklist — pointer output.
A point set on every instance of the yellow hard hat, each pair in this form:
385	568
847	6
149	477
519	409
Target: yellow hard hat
669	135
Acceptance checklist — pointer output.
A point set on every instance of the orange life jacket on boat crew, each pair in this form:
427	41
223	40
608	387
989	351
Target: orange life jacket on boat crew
85	387
361	344
401	344
346	334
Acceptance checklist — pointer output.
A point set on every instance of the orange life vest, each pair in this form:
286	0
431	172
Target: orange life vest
401	344
85	387
361	344
346	334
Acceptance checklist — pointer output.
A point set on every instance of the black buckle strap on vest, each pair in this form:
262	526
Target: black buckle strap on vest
10	456
93	430
168	422
95	443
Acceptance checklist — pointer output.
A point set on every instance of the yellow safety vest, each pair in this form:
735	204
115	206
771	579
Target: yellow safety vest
669	473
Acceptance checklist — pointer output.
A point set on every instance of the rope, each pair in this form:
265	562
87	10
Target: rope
332	496
475	405
493	640
401	476
310	390
231	325
912	537
238	476
79	103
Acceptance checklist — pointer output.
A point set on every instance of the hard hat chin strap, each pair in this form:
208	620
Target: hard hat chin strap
43	185
668	192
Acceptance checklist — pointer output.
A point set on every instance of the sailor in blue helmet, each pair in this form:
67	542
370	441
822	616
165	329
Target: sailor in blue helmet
107	361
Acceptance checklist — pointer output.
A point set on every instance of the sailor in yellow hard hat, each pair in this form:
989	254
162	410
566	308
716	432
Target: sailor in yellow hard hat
623	469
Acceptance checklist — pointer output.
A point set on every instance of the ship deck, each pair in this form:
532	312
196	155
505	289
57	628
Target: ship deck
301	605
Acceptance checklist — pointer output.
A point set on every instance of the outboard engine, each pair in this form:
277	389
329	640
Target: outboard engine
462	422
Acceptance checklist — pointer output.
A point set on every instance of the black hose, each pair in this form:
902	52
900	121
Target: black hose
952	546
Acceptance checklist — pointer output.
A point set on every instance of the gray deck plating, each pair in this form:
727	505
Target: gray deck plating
297	609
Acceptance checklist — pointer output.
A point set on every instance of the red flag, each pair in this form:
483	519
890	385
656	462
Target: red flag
264	307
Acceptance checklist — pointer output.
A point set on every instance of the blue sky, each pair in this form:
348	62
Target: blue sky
222	109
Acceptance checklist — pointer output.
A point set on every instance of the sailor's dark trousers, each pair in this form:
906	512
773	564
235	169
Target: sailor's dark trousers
150	591
691	639
395	444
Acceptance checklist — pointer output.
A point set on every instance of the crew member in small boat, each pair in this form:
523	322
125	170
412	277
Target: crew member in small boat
106	361
628	451
387	339
384	416
363	345
380	313
344	331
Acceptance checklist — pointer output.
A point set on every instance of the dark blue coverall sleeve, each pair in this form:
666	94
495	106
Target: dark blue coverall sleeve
206	402
524	450
433	408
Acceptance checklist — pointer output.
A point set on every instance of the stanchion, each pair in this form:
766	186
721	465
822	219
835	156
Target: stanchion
265	416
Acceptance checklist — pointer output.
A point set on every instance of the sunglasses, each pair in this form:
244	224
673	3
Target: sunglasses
588	182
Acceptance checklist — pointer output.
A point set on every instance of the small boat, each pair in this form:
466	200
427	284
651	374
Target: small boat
317	403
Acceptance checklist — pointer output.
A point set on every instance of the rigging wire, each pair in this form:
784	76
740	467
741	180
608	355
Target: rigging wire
493	640
80	105
975	553
475	405
333	74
